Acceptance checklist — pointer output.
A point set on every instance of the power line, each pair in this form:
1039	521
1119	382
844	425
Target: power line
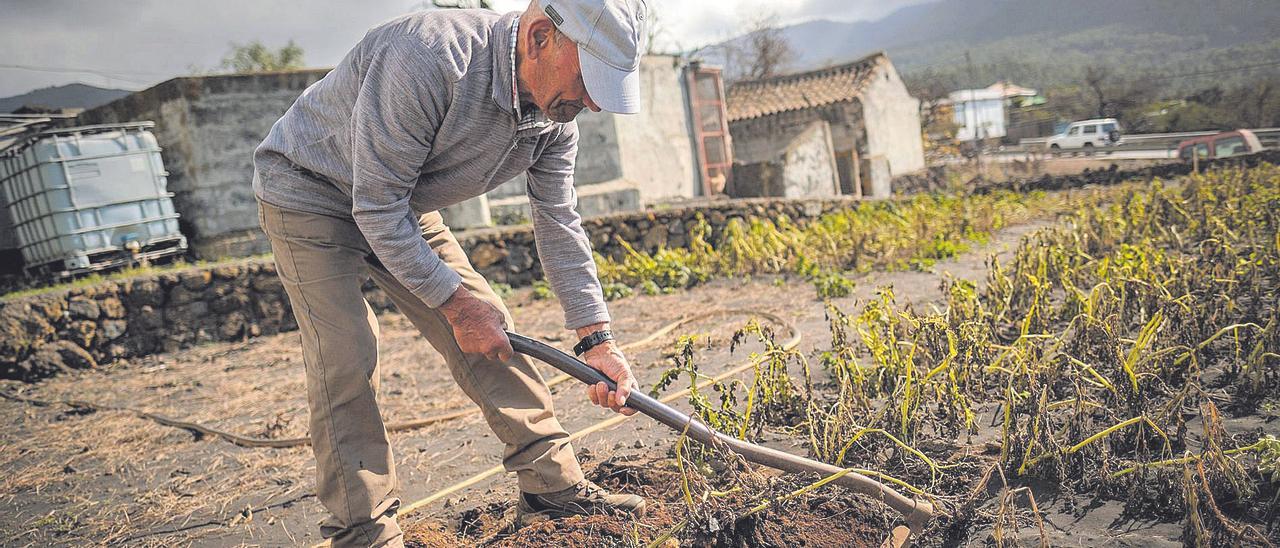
70	70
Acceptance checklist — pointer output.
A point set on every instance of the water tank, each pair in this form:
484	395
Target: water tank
89	198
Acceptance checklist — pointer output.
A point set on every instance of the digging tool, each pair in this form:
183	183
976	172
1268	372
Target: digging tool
917	513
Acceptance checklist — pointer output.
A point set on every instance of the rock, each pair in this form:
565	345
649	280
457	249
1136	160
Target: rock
52	308
377	299
228	272
486	254
147	318
82	308
233	326
186	317
180	295
52	358
21	329
111	307
272	310
238	300
519	259
267	283
82	332
145	292
113	329
599	238
196	280
654	238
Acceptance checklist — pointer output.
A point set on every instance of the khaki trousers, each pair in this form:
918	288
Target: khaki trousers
322	262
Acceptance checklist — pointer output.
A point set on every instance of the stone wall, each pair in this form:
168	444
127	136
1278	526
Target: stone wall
86	326
208	127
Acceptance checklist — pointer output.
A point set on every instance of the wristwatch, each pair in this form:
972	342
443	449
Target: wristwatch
591	341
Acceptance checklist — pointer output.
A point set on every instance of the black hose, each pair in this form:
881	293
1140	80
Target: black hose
916	512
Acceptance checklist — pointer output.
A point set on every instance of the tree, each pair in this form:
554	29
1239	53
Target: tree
1094	76
762	52
255	57
1262	116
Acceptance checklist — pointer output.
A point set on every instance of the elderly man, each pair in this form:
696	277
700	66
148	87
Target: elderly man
426	111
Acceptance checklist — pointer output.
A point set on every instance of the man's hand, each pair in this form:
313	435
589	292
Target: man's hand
608	359
478	326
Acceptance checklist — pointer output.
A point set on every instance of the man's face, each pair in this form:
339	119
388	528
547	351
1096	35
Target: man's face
551	77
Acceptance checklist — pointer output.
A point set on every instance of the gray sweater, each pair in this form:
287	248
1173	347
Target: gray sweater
420	115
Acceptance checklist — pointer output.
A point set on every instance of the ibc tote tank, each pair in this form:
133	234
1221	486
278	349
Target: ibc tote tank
89	198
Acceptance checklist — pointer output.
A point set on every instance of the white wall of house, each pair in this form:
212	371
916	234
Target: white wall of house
657	146
809	164
979	113
891	117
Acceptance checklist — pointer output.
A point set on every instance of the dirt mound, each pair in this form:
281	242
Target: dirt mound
830	518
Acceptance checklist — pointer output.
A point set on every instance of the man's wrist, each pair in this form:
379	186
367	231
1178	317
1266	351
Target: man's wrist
449	305
592	341
589	329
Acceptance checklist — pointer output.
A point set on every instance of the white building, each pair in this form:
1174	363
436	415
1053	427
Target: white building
981	113
872	121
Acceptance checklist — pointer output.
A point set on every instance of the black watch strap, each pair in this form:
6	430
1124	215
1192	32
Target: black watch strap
591	341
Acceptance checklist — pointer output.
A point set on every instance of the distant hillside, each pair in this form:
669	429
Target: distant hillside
1046	42
68	96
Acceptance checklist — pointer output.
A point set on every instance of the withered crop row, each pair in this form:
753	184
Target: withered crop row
1117	355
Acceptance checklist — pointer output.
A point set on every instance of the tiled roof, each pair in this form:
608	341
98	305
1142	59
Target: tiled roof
757	98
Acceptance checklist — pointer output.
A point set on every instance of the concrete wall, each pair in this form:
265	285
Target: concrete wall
891	117
208	127
796	163
657	145
809	164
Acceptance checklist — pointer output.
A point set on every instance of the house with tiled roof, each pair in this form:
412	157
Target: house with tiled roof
872	123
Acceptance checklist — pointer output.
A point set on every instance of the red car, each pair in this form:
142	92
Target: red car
1221	145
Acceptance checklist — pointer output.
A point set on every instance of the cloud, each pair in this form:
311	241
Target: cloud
136	43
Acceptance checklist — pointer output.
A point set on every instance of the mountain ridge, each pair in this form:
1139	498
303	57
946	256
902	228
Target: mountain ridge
1032	39
65	96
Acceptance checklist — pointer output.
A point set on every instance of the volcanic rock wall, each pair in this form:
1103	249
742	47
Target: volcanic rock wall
83	327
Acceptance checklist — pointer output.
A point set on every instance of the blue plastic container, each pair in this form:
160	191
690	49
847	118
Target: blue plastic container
89	198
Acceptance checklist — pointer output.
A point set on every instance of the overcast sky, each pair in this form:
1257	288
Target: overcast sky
133	44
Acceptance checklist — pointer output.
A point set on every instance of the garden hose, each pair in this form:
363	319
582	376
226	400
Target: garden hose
916	512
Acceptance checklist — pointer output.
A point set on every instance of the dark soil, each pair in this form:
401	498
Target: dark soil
836	518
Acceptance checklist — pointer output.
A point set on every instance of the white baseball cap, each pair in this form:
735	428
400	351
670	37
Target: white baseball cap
611	36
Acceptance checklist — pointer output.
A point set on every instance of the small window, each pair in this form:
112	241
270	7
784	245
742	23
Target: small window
1075	130
1230	146
1185	153
1090	130
1108	128
1202	150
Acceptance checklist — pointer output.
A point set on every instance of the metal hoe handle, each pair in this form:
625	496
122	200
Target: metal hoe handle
916	512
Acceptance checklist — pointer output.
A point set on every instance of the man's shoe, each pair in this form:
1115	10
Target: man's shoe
582	499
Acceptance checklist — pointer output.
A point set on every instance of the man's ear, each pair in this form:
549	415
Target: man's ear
541	32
